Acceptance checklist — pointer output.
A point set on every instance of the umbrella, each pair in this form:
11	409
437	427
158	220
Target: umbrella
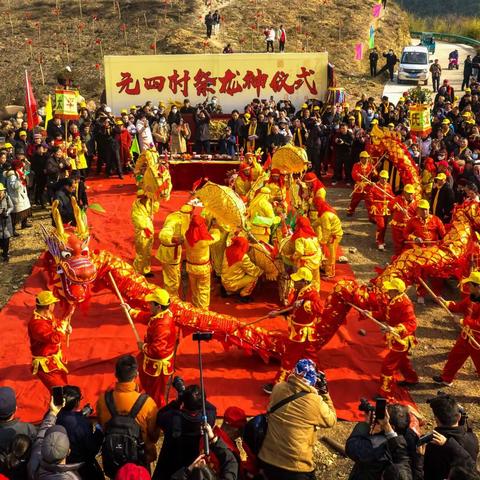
223	204
290	159
262	258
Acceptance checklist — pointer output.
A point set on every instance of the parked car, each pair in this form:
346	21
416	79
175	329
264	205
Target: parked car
414	65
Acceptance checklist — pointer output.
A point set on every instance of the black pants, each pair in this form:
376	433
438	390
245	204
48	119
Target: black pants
269	45
202	146
314	158
390	71
209	31
435	83
281	46
373	69
5	246
466	82
275	473
39	190
343	164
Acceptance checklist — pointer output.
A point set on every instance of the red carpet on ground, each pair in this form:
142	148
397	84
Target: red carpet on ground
352	362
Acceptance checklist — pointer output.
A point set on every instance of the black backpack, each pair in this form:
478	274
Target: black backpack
256	428
123	441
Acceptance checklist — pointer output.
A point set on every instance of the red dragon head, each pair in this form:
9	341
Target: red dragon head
69	249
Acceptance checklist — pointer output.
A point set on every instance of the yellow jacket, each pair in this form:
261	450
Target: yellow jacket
198	256
427	183
261	214
242	187
257	169
312	211
307	253
176	224
80	161
328	226
232	274
142	216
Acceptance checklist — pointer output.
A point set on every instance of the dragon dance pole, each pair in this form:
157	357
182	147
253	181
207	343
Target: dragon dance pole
435	297
125	309
372	318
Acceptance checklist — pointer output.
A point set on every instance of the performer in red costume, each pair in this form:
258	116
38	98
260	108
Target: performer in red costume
360	171
468	343
124	141
402	208
379	197
155	361
46	335
401	322
306	309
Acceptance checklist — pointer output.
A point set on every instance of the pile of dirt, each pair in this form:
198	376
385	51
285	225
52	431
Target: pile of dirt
47	35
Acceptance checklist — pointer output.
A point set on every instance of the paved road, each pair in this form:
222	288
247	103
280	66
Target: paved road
394	91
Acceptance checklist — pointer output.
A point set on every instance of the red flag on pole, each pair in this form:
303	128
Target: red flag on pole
30	104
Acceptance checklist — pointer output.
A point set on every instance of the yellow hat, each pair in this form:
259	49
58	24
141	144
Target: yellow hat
374	122
160	296
351	117
391	124
409	188
265	190
83	104
364	154
124	111
401	99
468	90
2	187
247	115
140	192
22	132
133	107
46	298
119	122
304	105
466	114
384	174
441	176
303	273
315	108
161	104
470	122
474	277
357	108
423	204
395	284
187	208
445	121
8	145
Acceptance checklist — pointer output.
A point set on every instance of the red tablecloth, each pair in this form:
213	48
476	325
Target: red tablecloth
184	173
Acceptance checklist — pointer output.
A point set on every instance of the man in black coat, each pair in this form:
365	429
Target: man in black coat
315	145
442	198
106	147
373	58
467	71
454	442
343	142
55	128
181	422
55	169
64	197
390	62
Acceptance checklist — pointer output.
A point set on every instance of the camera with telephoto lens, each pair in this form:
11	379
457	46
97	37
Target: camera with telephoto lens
321	384
87	410
179	385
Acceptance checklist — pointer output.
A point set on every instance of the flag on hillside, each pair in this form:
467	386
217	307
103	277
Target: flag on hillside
30	104
135	148
48	110
371	40
376	10
359	51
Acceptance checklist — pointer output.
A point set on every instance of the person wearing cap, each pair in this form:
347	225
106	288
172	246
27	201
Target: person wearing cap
198	240
379	197
399	316
287	451
306	309
6	225
9	424
278	189
46	333
402	207
314	188
169	253
145	137
373	60
329	231
253	159
442	199
155	361
244	179
55	127
361	170
202	130
239	273
261	216
143	211
48	459
299	133
468	342
123	141
16	184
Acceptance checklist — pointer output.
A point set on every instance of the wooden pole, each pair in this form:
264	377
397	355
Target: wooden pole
41	71
145	17
372	318
437	299
80	8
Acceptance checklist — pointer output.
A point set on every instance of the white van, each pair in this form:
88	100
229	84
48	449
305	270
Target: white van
414	65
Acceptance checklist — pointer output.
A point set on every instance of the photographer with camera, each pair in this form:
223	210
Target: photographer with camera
85	441
453	442
287	451
383	446
181	423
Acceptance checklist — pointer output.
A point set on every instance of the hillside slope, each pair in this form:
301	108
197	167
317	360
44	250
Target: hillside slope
38	34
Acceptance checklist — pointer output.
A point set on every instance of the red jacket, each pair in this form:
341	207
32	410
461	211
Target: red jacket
379	199
401	210
431	229
45	335
359	170
471	313
400	314
303	320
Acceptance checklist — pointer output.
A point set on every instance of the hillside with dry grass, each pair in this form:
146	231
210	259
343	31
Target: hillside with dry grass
45	35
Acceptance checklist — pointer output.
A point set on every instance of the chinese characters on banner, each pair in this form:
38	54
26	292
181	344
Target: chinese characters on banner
235	79
66	104
420	119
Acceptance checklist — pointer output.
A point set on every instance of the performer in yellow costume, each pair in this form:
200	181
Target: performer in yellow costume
307	249
261	215
251	160
244	179
197	248
329	230
239	273
169	252
142	218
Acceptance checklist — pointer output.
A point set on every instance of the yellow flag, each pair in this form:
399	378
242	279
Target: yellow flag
48	111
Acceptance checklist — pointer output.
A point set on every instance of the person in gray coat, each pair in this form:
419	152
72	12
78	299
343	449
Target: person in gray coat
50	451
6	227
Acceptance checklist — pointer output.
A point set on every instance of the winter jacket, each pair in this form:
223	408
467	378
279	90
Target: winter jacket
202	133
17	192
65	207
6	231
8	430
292	429
461	449
226	459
